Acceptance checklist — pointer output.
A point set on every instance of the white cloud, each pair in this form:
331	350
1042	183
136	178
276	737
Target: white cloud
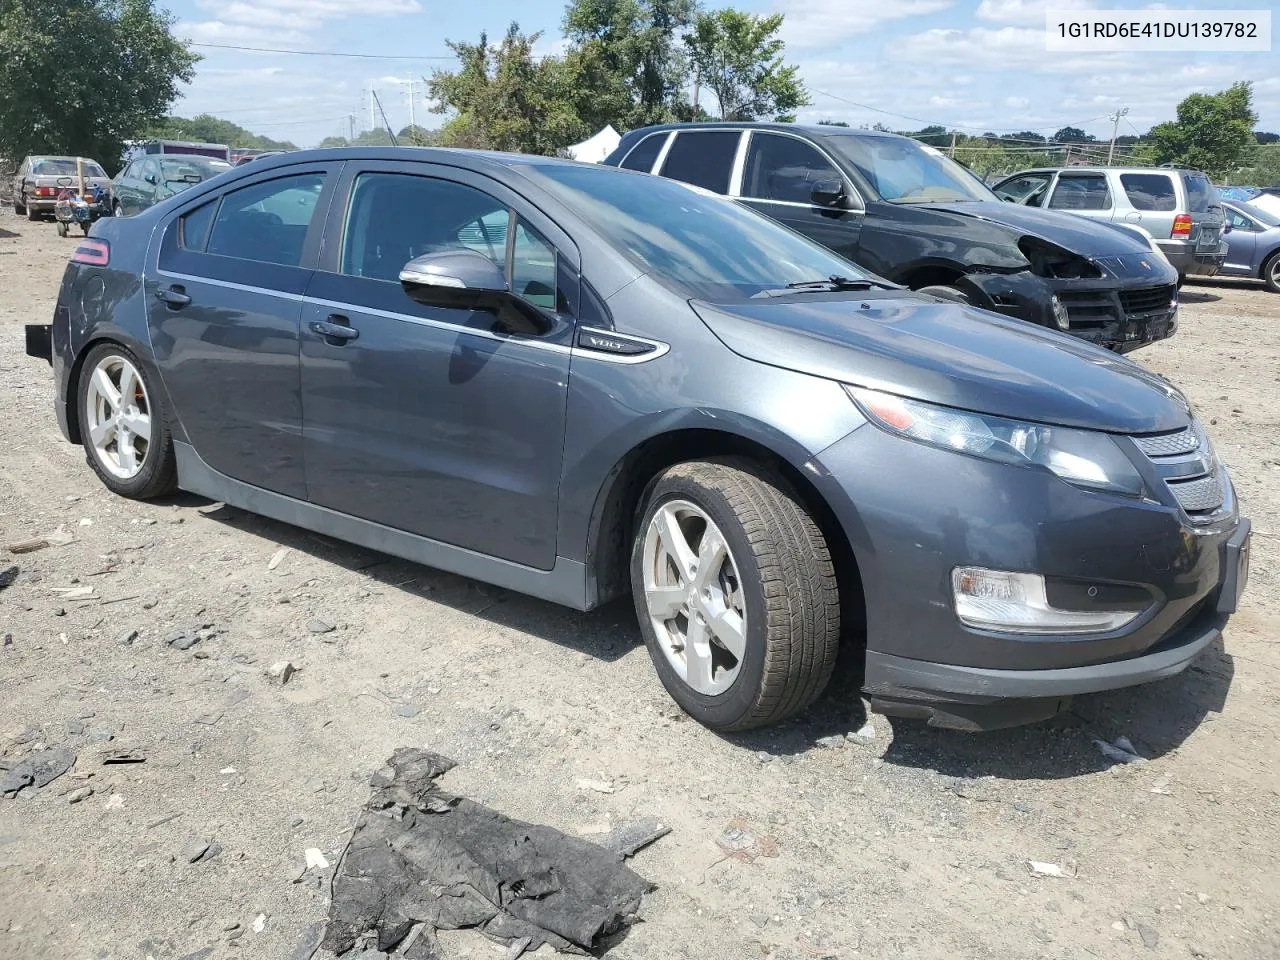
1017	103
823	24
1026	11
242	34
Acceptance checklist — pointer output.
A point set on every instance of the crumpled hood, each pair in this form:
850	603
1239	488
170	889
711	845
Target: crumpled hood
1075	233
950	354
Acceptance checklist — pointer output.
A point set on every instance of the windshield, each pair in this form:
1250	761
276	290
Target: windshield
191	169
64	167
712	247
908	171
1264	217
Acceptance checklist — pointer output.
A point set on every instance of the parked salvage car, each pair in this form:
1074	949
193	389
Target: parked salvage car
147	180
580	383
40	179
1181	209
1254	244
904	211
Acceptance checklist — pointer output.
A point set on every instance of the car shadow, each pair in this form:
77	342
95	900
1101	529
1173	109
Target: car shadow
6	234
1197	296
607	633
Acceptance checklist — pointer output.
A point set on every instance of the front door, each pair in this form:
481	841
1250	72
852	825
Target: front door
1242	244
778	178
224	302
432	420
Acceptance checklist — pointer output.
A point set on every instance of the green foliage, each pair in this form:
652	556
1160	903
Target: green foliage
207	128
80	77
1073	135
626	60
739	57
1261	169
505	99
832	123
1211	132
417	136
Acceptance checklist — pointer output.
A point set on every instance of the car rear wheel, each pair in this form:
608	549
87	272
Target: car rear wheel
1271	273
18	208
32	213
736	594
944	292
122	425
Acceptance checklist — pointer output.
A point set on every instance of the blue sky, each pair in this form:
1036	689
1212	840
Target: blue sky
973	64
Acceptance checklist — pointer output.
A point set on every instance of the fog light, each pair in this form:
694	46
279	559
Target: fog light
1016	603
1060	314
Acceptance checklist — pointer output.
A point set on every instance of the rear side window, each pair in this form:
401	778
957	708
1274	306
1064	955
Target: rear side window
1199	193
195	226
645	153
784	168
267	221
1149	191
1087	191
703	158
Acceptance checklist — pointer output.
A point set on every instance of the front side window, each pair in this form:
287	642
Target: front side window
901	170
533	267
1149	191
1086	191
703	158
267	221
1028	191
706	246
395	217
784	168
195	226
1239	221
645	153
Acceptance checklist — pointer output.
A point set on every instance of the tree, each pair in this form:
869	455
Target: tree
628	65
832	123
416	136
505	99
207	128
1211	132
1074	135
80	77
1263	137
739	57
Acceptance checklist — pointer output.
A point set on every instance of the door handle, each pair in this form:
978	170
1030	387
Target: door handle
335	330
175	297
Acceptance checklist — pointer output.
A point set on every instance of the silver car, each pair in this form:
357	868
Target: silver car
1180	209
40	179
1254	241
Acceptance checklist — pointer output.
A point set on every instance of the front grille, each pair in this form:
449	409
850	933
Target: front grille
1198	496
1186	463
1088	308
1148	299
1168	444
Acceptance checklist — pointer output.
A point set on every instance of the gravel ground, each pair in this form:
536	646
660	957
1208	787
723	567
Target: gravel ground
907	843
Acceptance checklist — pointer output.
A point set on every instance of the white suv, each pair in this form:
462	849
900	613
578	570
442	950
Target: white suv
1180	209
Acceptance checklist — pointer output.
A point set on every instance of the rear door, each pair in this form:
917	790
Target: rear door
1086	194
1154	198
778	174
1207	215
431	420
224	290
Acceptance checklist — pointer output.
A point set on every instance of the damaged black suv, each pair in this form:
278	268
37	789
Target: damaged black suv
904	211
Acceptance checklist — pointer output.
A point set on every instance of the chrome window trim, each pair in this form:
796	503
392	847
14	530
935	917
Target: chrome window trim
660	133
230	285
661	158
739	163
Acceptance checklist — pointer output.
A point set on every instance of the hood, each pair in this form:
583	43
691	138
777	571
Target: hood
1078	234
950	354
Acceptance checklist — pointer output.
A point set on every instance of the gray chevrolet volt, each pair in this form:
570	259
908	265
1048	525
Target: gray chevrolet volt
581	383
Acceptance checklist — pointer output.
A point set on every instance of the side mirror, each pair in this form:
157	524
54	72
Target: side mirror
829	193
1226	228
150	178
467	280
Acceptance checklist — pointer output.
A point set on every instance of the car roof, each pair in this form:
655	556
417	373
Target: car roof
54	156
813	130
1082	169
451	156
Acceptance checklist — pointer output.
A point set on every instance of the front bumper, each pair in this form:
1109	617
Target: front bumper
913	513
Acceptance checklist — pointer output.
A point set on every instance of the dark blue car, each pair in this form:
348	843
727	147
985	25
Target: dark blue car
584	383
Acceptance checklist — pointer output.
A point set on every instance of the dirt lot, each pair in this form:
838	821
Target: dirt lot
914	843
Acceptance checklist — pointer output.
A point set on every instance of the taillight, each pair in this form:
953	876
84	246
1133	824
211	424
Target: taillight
1182	225
46	192
92	253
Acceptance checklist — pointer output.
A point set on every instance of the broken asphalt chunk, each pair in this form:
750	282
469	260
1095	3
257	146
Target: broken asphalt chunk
38	770
627	839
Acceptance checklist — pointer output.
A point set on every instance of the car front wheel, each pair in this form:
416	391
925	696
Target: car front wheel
736	593
122	425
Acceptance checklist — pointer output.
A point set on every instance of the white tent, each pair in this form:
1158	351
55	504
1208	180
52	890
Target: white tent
596	148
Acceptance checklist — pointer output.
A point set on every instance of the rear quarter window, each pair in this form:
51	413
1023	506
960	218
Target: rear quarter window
1199	193
1149	191
645	153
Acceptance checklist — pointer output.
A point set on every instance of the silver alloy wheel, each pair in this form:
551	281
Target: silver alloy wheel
117	417
693	594
1275	270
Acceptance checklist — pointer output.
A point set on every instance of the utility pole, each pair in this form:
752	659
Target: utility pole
952	153
373	124
697	89
411	123
351	126
1115	128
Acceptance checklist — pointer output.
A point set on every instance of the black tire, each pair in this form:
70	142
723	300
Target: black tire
1182	278
33	214
62	229
788	581
159	473
944	292
19	209
1271	272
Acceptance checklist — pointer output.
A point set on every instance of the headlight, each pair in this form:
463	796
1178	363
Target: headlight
1060	314
1080	457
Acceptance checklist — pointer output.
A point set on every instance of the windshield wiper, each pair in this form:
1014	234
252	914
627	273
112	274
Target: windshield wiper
833	282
